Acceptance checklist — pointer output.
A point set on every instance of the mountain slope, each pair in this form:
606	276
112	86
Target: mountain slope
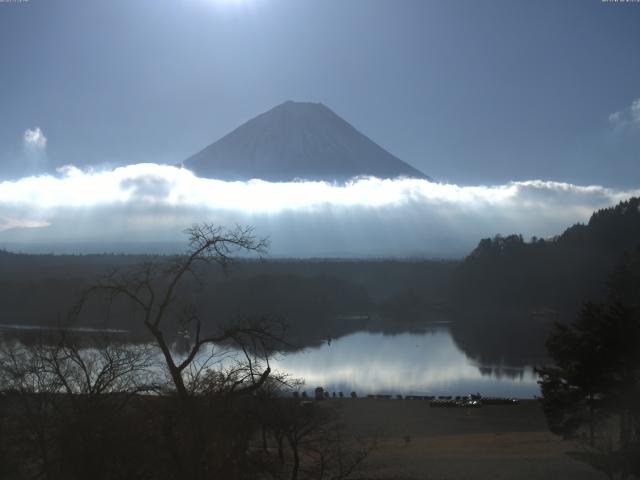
297	140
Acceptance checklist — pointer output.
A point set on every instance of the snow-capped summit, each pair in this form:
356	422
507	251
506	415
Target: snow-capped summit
297	140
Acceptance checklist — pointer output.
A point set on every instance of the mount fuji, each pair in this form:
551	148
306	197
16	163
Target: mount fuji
297	141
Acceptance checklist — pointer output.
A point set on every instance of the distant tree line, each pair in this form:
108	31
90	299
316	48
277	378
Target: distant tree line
315	297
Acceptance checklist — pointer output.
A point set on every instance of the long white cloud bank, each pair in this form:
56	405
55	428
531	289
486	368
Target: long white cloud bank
147	206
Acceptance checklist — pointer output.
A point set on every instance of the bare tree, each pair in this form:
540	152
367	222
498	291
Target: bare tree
30	398
66	400
152	288
205	431
309	440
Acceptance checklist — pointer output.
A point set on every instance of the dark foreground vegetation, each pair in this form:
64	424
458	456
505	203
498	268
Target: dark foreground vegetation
592	390
162	409
110	413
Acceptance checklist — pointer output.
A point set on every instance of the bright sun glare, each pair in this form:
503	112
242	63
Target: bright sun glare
232	3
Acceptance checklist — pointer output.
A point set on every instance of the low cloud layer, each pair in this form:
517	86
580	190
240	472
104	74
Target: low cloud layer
146	207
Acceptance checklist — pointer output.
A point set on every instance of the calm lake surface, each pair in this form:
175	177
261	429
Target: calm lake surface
426	363
422	363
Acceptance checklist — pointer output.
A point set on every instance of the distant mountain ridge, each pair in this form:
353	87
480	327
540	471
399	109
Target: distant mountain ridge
297	140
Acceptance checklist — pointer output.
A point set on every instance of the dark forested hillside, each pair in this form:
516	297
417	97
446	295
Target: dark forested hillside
508	288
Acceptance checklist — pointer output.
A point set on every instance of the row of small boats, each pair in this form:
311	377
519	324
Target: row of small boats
454	401
444	401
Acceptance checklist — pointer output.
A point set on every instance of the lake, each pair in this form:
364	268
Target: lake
421	363
426	363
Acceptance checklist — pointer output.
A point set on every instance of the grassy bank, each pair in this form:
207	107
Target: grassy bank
414	441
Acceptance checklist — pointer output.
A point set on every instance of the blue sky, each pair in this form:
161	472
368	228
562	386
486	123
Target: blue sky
469	92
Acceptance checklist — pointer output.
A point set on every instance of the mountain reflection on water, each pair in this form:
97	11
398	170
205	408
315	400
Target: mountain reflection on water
426	363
